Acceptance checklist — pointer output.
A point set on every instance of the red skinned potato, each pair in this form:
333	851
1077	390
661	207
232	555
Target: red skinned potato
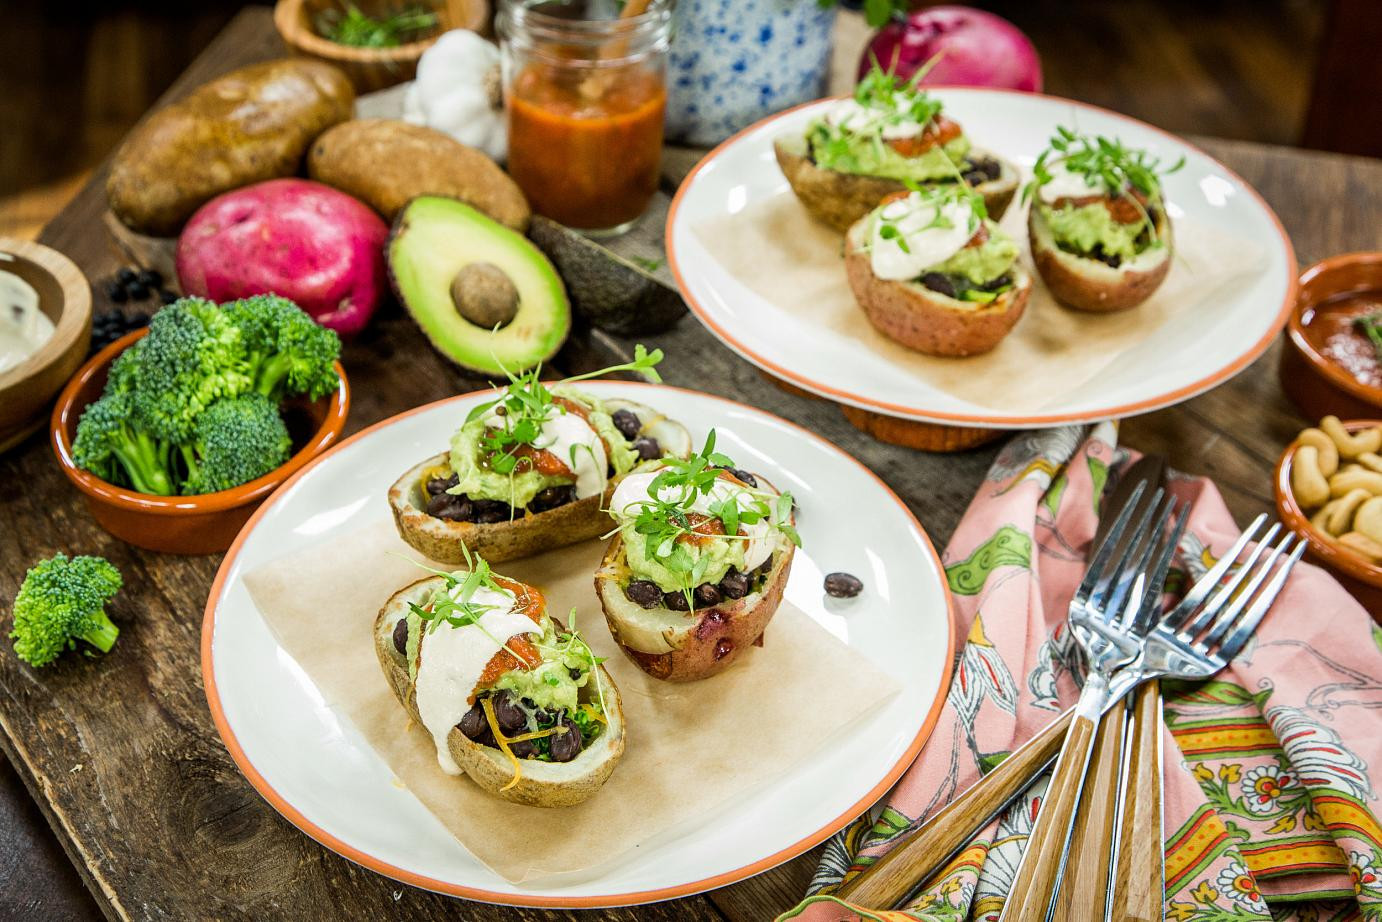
305	241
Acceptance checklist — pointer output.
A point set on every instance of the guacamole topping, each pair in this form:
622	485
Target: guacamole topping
711	560
550	684
836	149
1085	229
929	231
984	263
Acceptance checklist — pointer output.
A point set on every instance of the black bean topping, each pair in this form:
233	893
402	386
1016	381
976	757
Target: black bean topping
628	423
437	485
575	674
676	601
939	283
647	448
994	284
474	725
735	585
707	594
741	475
454	508
523	749
552	497
644	592
843	585
565	746
508	712
489	511
762	569
400	636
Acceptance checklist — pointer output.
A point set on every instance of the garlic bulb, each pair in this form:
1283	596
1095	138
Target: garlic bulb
458	92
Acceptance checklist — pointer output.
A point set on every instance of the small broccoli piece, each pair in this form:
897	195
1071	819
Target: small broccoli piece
61	601
289	352
110	447
236	440
192	356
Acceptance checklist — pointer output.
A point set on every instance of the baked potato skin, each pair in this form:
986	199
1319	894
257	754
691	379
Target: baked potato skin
253	124
1090	285
442	540
841	199
924	321
387	163
551	784
711	640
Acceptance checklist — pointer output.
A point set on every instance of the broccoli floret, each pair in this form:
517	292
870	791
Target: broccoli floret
237	440
110	447
289	352
61	601
192	356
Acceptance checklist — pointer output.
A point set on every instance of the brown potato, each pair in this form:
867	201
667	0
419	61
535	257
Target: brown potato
1090	285
840	199
251	125
387	163
928	321
543	784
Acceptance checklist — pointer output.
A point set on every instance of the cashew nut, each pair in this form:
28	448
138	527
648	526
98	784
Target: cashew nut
1308	483
1361	544
1370	460
1343	484
1351	445
1329	452
1340	519
1368	518
1319	519
1350	467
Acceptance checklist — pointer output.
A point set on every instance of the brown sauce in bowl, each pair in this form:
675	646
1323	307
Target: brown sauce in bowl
1332	328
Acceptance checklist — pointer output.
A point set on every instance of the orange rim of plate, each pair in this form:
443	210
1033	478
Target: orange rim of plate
977	419
365	859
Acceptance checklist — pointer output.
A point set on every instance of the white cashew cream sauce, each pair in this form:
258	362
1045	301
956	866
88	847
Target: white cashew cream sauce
568	436
24	328
919	245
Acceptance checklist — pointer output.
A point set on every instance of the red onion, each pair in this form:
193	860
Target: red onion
980	49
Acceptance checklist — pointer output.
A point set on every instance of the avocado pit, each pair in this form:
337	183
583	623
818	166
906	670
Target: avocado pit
485	295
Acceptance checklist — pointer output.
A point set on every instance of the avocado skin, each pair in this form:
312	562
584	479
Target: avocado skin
449	235
607	292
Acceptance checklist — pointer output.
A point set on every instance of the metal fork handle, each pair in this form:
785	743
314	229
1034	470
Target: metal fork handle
1037	882
915	859
1139	889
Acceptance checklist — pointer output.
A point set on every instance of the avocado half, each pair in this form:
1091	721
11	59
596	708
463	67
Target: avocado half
434	241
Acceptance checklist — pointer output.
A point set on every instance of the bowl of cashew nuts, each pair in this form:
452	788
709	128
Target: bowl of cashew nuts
1329	491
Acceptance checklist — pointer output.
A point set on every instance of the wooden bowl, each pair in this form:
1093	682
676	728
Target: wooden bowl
202	524
371	68
1360	577
65	296
1314	383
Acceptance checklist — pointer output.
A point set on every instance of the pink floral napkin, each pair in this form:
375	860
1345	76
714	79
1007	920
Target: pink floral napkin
1271	812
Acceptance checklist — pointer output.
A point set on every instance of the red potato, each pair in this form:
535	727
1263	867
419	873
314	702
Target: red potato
302	240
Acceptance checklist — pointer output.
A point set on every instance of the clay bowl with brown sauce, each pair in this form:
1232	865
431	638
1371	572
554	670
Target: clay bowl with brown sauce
1328	366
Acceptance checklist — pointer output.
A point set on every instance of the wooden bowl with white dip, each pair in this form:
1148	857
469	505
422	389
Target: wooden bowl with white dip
45	332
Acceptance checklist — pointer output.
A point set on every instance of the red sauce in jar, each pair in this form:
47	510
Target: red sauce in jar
586	147
1332	328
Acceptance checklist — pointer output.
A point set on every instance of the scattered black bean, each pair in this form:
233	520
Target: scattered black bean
167	297
843	585
939	283
627	422
647	448
150	278
565	746
707	594
116	292
400	636
676	601
644	592
507	711
735	585
552	497
474	725
126	275
110	325
137	291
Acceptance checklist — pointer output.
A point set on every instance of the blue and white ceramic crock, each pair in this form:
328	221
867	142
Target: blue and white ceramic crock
734	62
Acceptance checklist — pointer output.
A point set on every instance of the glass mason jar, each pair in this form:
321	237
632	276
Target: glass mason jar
587	95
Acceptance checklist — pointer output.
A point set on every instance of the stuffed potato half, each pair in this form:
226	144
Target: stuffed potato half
511	697
697	565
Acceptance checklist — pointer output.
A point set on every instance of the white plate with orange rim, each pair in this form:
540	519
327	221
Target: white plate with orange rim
280	733
1201	349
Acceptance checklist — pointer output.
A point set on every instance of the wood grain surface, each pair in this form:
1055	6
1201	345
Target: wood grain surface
1141	874
120	752
1084	887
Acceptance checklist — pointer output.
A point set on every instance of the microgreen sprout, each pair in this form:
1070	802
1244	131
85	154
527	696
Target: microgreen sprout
1371	327
1102	161
936	199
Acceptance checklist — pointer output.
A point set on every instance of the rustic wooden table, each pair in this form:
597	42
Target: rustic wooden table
119	755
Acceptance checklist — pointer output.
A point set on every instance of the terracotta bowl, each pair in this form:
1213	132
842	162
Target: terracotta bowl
202	524
65	296
1318	386
1357	575
371	68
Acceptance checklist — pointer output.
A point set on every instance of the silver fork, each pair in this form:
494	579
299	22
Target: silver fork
1102	613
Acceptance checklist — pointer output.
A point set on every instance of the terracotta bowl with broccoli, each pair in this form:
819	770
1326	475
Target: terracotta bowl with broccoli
176	433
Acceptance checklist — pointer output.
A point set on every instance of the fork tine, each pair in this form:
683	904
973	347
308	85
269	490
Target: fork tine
1120	572
1196	596
1221	595
1147	615
1233	605
1236	638
1101	557
1146	543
